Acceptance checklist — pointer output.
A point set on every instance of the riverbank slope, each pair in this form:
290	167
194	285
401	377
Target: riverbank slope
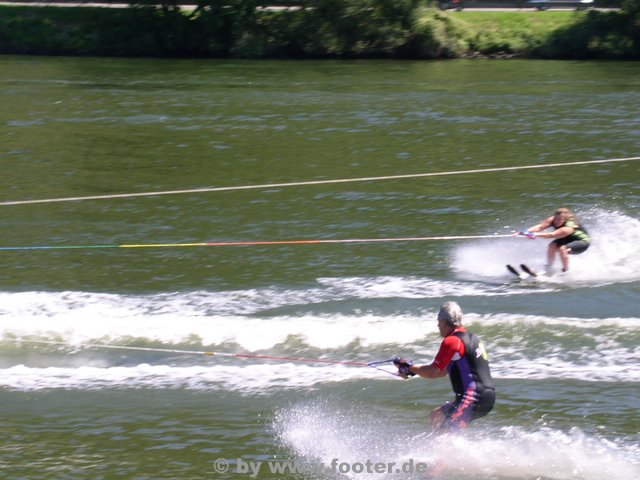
341	32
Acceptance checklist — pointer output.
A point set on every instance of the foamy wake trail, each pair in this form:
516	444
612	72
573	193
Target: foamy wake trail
254	379
80	318
351	438
249	334
73	344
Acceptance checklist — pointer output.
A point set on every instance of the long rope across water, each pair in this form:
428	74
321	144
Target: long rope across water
280	185
374	364
250	243
314	182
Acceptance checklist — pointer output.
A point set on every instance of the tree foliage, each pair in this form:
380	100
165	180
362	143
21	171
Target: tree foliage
598	35
317	29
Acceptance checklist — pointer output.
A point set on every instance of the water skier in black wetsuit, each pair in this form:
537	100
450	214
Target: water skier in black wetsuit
570	237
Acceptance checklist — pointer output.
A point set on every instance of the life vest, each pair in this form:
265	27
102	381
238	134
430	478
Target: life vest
580	233
472	370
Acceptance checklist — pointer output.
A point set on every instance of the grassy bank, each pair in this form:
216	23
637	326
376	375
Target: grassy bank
337	30
519	32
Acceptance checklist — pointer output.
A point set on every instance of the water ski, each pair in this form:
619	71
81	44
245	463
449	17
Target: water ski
526	269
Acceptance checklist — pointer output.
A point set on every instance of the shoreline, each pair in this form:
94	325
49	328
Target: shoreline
285	32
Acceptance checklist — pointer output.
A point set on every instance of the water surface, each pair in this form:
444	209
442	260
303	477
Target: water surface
563	351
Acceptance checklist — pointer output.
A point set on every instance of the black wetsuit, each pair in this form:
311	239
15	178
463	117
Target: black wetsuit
470	379
577	242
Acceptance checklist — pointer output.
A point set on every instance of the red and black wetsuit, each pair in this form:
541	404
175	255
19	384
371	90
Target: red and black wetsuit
466	360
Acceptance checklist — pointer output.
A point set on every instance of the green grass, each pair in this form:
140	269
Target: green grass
511	32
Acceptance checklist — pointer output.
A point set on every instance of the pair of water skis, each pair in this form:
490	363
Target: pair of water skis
525	273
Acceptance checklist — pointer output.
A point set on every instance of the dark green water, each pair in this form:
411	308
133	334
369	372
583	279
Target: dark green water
563	351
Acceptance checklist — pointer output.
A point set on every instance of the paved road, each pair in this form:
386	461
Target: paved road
103	5
191	7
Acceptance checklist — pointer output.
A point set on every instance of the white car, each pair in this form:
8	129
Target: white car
545	4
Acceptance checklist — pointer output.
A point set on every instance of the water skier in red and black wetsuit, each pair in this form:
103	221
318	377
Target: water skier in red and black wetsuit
464	358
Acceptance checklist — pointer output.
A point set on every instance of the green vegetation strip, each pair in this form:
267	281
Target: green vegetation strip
328	29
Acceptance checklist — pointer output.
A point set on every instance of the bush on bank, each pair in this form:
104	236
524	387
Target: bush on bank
322	29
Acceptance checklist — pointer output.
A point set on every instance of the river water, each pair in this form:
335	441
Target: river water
563	350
